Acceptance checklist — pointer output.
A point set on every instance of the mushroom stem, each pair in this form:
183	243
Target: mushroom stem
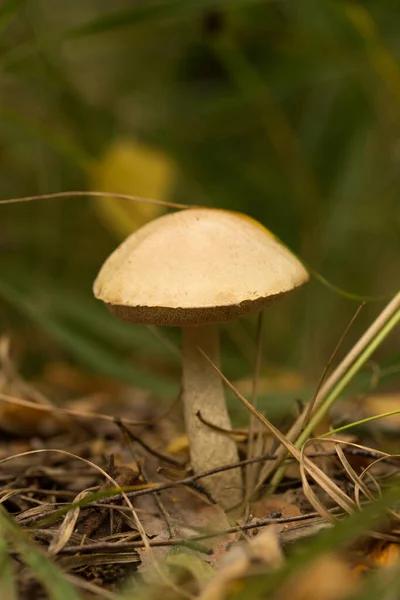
203	392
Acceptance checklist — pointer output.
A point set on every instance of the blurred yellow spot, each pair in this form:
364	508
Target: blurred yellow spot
179	445
131	168
386	554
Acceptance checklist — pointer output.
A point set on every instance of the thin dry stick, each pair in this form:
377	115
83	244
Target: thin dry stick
90	464
132	438
128	546
136	519
84	415
362	343
239	433
153	451
74	194
151	488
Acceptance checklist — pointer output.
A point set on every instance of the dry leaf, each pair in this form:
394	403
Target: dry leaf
385	554
64	533
262	551
188	516
283	504
328	578
379	554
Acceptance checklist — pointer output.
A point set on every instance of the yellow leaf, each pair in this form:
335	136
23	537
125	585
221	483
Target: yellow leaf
385	554
131	168
179	445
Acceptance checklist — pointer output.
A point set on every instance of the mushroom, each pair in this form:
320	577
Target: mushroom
194	269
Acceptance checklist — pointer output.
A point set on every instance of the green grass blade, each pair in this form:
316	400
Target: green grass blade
345	532
86	351
151	11
87	315
359	423
8	10
347	378
50	576
7	580
59	142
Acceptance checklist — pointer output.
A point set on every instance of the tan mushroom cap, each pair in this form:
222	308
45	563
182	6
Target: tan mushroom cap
197	266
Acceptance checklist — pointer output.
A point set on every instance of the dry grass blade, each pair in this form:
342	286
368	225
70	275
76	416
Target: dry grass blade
68	525
359	485
353	475
315	472
310	407
145	541
357	490
373	452
188	541
393	513
52	579
365	340
322	410
35	513
84	560
311	495
10	373
94	466
7	494
77	413
74	194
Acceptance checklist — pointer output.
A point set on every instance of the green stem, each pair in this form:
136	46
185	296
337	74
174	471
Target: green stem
359	423
362	359
338	389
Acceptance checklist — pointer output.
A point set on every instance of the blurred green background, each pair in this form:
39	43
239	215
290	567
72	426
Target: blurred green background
288	111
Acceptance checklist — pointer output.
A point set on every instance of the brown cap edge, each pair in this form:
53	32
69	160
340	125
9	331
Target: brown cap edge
189	317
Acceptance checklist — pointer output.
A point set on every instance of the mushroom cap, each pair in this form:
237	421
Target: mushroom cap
197	266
